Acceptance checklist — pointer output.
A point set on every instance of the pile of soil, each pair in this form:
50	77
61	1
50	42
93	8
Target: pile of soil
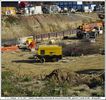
92	79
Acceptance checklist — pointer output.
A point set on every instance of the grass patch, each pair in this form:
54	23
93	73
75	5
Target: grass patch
10	86
6	74
13	86
53	89
25	79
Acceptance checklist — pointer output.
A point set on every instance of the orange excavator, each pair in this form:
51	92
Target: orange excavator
90	30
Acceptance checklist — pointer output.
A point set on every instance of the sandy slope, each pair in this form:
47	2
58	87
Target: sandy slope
13	27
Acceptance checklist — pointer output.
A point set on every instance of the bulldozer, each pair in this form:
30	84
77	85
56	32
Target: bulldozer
89	30
48	53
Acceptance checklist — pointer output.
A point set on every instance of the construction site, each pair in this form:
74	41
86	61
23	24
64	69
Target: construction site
60	53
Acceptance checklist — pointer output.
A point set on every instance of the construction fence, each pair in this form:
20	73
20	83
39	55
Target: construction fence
42	37
55	35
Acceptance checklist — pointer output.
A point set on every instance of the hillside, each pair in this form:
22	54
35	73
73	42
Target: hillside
18	26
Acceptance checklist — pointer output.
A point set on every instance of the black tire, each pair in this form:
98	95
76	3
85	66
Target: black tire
42	60
79	35
96	34
86	36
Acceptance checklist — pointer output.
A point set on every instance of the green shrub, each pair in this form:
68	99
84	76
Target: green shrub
6	74
9	85
25	79
52	89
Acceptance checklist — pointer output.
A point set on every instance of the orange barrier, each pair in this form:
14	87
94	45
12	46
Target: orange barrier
10	48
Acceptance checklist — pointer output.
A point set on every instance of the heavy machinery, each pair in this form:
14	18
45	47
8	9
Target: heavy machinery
25	42
101	15
89	30
48	53
8	11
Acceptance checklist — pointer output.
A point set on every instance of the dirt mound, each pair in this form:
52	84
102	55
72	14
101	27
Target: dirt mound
73	78
62	75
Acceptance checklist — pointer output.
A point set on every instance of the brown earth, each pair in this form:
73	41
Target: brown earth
19	63
71	76
18	26
84	74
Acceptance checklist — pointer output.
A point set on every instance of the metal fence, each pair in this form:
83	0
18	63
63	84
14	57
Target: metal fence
52	35
42	37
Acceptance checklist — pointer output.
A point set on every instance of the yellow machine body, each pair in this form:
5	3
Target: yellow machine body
8	10
50	50
29	40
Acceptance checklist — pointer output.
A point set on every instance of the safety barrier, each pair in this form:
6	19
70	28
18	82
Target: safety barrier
61	34
10	48
45	36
